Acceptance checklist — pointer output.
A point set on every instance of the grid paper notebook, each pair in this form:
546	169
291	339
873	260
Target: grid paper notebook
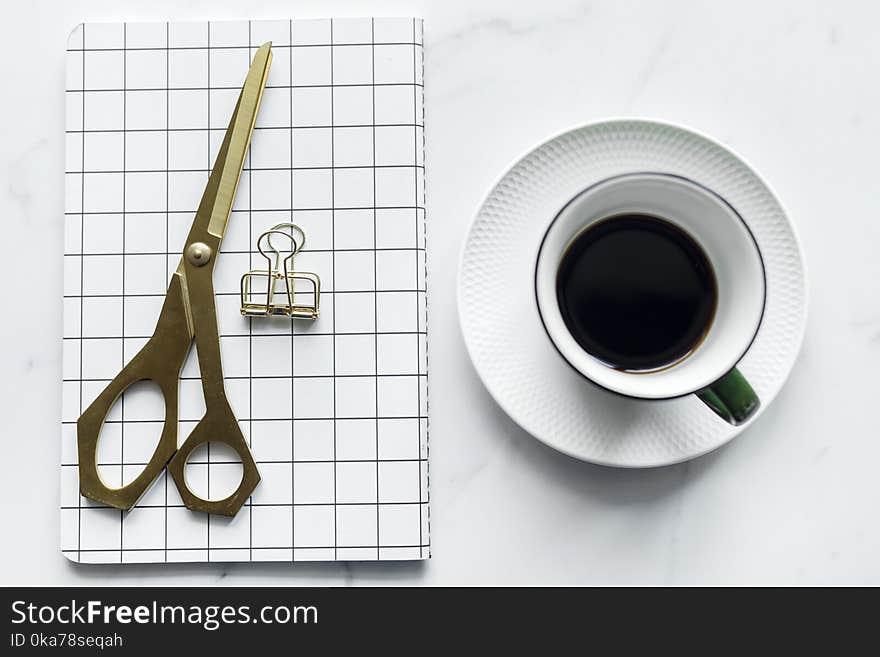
335	411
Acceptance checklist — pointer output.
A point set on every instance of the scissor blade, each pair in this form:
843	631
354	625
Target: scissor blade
216	204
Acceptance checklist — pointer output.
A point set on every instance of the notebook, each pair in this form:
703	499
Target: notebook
335	410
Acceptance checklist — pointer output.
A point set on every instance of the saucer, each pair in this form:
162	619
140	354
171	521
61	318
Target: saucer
503	332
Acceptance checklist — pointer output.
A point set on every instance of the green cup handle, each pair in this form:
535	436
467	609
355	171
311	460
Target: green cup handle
731	397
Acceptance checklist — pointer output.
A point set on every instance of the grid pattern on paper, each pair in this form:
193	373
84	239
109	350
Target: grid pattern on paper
335	411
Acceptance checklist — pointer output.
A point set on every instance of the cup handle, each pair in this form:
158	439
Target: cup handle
731	397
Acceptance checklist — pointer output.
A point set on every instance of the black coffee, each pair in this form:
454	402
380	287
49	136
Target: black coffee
636	292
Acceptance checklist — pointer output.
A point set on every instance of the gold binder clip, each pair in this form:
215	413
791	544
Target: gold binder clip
259	304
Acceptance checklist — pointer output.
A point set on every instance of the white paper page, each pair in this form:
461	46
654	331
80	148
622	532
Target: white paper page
335	410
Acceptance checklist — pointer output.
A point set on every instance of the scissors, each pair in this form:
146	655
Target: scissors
188	313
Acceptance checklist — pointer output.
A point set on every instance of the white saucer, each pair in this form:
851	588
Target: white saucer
503	332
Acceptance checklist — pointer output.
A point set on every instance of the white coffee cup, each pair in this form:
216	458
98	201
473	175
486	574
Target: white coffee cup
709	370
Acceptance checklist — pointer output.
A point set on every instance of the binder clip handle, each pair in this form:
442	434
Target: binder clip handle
265	241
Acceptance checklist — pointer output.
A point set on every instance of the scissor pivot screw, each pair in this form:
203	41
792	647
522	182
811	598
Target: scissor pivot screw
198	254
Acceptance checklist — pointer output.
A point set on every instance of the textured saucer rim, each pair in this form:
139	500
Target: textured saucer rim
794	243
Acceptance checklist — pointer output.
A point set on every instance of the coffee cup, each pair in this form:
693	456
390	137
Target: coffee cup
652	286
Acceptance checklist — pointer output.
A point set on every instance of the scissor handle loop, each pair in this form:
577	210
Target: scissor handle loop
160	361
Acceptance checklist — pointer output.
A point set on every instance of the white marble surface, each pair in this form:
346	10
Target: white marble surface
792	86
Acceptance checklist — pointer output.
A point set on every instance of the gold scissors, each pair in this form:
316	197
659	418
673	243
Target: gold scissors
188	313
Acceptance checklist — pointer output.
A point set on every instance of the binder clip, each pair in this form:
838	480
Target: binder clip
258	298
